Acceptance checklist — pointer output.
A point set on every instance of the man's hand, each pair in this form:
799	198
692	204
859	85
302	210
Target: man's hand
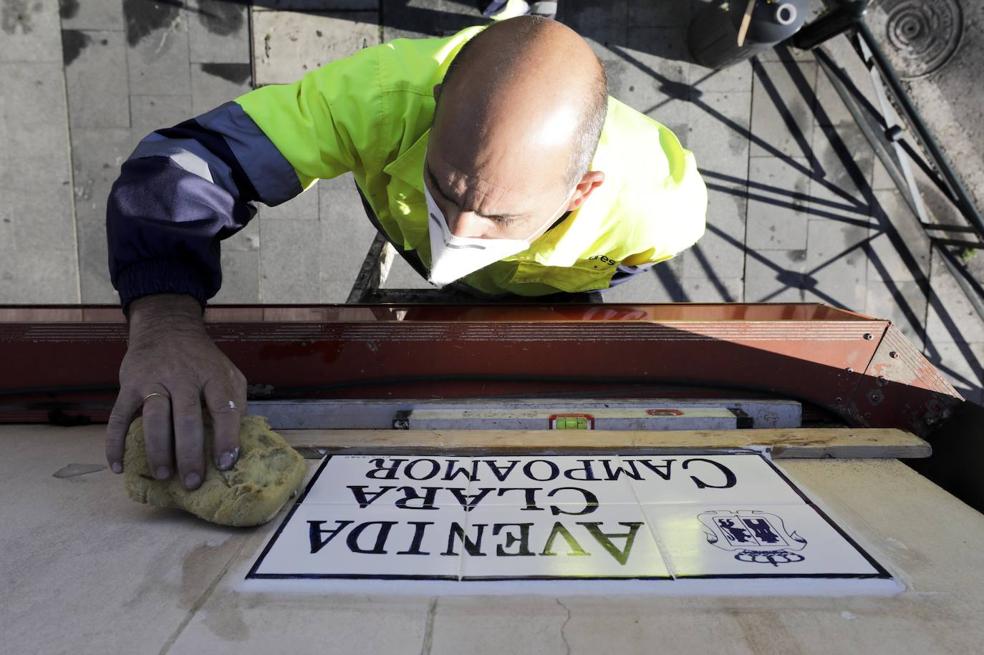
170	364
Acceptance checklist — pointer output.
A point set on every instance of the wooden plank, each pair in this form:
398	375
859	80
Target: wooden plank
841	443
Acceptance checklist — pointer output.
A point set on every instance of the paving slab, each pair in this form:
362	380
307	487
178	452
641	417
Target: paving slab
657	285
782	117
157	58
606	23
346	235
712	288
212	84
30	31
951	316
662	49
841	51
661	13
247	238
777	276
320	5
403	276
33	123
286	44
290	261
96	77
778	203
153	112
844	166
428	18
836	260
720	252
717	134
218	31
899	248
901	302
97	154
91	14
303	206
737	77
240	276
963	365
39	248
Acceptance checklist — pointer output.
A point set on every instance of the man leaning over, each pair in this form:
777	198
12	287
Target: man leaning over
493	160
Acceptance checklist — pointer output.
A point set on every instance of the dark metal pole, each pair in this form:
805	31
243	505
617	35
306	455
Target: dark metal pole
834	22
969	209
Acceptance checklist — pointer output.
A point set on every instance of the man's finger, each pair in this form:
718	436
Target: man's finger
157	430
226	404
124	409
189	436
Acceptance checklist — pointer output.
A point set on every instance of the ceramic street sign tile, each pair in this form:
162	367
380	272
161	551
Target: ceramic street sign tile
472	520
610	542
706	479
342	541
550	480
375	480
755	540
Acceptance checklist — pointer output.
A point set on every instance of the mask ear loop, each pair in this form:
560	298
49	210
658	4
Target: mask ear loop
551	223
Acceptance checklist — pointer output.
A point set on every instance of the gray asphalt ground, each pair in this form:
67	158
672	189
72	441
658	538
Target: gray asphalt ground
800	209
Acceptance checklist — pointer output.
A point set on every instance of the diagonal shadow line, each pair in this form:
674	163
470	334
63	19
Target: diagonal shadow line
787	116
954	375
878	212
857	176
711	275
781	272
775	152
915	322
849	84
830	300
950	325
733	125
862	245
741	246
877	117
795	195
670	284
962	269
789	205
879	120
706	77
693	89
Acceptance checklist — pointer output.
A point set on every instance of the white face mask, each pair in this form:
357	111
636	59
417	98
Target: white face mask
453	257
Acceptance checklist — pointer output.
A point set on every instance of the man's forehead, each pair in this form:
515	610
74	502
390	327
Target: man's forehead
511	192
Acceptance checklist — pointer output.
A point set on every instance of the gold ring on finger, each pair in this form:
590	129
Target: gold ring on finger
155	393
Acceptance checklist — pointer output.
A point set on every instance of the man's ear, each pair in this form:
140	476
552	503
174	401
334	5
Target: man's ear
589	182
437	91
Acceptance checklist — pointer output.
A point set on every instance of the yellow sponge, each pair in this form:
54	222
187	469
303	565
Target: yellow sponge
266	475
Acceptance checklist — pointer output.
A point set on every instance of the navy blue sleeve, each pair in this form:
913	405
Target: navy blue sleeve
182	191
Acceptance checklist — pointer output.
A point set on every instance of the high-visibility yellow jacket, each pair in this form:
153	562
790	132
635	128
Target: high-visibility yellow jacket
371	114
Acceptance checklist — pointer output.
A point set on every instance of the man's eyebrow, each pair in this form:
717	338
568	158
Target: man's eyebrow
443	193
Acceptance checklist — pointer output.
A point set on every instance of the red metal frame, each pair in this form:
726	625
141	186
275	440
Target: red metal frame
61	363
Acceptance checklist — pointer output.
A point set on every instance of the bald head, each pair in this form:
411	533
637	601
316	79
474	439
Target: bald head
517	122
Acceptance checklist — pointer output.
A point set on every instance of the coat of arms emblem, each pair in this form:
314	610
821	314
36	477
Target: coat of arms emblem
753	535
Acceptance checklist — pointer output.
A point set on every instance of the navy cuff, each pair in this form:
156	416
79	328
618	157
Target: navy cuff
159	276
